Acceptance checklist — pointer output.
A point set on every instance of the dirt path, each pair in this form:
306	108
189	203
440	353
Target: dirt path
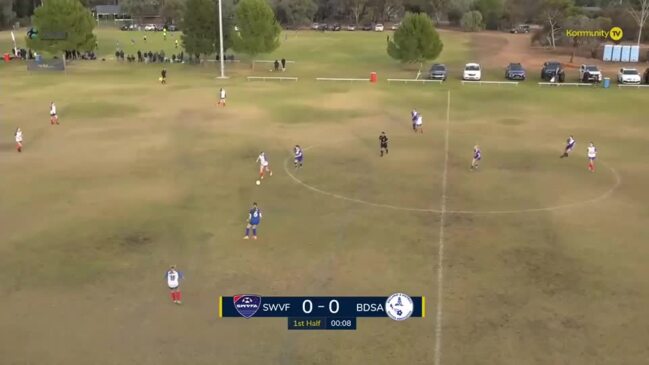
497	49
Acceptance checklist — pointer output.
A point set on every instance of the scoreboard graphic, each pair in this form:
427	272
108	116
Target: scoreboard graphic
322	313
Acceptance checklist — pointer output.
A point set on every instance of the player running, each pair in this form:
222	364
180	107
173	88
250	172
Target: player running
570	145
54	119
592	155
413	116
222	97
163	76
173	282
264	165
383	142
419	124
254	218
19	139
298	160
477	156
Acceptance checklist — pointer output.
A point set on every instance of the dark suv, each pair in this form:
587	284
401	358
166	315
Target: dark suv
552	69
438	72
515	71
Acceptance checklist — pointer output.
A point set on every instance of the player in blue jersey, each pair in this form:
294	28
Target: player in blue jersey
414	115
254	218
570	145
299	156
477	156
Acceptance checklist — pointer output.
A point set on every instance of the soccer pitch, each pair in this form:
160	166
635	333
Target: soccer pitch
539	260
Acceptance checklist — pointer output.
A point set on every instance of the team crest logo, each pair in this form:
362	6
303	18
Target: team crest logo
399	306
246	304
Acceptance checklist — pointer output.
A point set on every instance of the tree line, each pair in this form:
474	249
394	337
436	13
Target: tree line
471	15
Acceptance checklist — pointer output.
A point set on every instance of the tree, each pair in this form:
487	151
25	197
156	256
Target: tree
140	8
584	23
64	19
199	27
472	21
456	10
416	40
172	10
639	10
552	12
258	28
492	12
358	9
295	12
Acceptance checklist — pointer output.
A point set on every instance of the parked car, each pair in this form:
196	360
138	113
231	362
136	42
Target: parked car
125	27
351	28
172	28
521	28
438	72
472	72
395	26
149	27
589	73
378	28
367	27
628	76
336	27
515	71
645	76
315	26
553	71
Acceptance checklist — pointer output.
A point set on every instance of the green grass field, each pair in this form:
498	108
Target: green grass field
543	262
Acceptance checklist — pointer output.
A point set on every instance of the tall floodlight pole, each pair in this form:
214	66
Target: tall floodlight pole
221	55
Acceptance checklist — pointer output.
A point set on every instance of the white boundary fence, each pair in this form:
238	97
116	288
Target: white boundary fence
636	86
566	84
341	79
515	83
270	78
421	81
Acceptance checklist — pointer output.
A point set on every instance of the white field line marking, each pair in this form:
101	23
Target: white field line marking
618	182
440	248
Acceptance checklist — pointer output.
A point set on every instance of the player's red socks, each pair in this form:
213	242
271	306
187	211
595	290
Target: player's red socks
178	296
173	296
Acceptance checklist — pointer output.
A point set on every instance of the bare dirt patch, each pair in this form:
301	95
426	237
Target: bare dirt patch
497	49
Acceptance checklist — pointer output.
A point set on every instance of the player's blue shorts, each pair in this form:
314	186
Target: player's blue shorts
570	147
592	158
299	158
254	222
477	158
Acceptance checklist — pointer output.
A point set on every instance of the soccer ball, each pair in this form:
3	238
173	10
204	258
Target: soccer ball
258	182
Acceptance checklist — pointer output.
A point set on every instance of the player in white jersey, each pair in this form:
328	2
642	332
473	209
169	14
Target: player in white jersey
222	97
570	145
173	282
264	165
54	119
419	124
413	117
592	155
19	140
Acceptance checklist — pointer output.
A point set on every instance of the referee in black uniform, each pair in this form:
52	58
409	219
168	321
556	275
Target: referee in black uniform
383	140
